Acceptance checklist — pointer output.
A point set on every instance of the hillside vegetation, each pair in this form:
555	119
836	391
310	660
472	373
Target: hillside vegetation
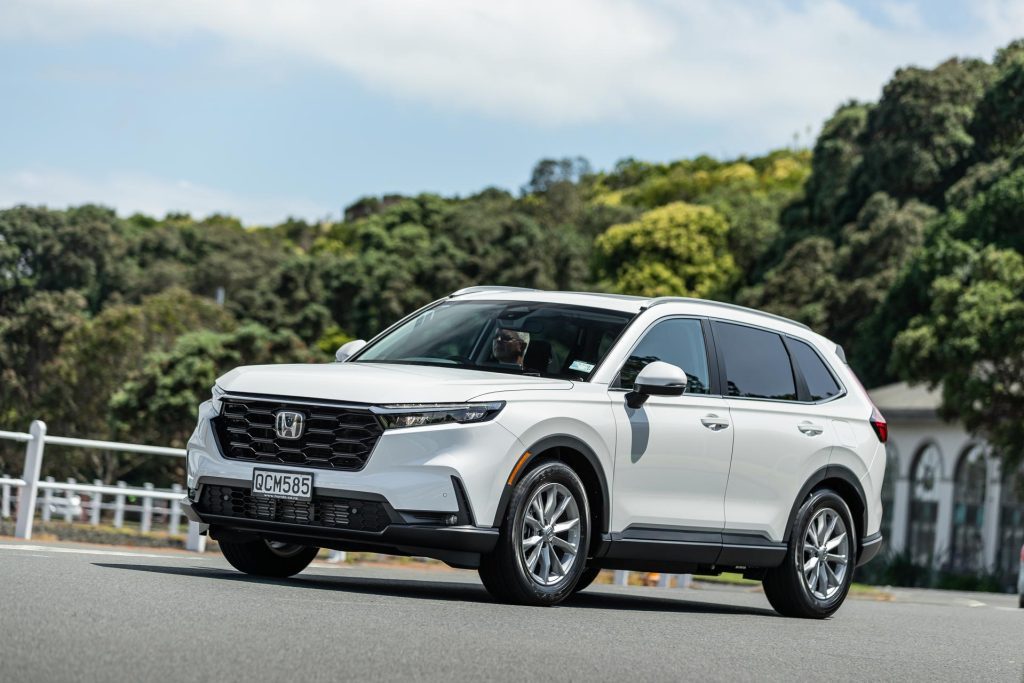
900	235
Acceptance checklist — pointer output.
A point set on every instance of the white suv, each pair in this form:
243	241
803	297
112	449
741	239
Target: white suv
541	436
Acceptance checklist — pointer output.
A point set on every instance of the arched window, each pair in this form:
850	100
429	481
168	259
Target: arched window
1011	527
924	504
892	473
967	551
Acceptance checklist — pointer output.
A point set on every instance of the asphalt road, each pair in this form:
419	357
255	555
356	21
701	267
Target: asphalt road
78	613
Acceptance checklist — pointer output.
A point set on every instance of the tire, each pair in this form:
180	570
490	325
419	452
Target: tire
515	571
586	578
788	588
268	558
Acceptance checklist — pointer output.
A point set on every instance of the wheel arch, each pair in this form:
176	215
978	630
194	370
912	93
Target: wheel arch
843	481
584	461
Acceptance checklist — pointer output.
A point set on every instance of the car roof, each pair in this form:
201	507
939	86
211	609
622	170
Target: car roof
625	303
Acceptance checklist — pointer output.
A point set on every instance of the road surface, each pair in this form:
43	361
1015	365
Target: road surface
85	613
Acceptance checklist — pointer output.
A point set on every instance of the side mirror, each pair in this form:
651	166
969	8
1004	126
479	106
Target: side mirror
656	379
348	349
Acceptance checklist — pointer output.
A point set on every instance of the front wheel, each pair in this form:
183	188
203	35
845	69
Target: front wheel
268	558
542	546
586	578
813	580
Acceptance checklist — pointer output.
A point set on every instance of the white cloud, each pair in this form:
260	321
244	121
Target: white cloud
771	64
905	15
131	193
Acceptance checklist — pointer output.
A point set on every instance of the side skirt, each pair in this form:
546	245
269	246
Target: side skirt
688	550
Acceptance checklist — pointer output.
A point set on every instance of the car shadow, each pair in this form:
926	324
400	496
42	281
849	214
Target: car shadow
418	589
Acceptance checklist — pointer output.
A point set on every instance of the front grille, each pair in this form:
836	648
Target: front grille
335	513
334	438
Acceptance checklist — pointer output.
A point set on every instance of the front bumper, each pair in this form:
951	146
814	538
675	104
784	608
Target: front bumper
415	469
459	545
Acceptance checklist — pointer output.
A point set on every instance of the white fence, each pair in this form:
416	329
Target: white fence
63	499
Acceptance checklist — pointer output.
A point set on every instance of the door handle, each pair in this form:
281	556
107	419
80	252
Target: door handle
810	429
714	423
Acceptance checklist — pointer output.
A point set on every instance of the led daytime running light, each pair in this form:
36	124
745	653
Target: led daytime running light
397	416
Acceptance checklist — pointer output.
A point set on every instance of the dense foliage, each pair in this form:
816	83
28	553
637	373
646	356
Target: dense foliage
900	235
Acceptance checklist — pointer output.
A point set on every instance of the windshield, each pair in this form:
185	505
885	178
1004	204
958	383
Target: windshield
544	340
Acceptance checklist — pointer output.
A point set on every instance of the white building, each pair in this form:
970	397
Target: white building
947	504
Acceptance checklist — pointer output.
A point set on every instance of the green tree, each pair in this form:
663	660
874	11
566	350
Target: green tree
42	250
872	254
998	125
679	249
159	405
971	343
801	286
916	142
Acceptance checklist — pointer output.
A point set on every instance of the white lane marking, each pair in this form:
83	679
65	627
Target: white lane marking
971	603
89	551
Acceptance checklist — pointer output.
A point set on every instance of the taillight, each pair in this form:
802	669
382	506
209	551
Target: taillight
879	424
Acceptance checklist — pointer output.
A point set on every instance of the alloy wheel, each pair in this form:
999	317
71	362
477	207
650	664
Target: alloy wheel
826	554
550	539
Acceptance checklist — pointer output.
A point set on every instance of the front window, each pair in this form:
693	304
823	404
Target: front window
539	339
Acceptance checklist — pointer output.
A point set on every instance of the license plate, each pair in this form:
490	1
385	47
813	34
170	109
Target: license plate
289	485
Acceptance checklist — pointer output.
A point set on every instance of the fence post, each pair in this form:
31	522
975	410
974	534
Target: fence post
47	500
68	496
147	509
119	506
27	494
175	512
96	504
621	577
194	541
5	499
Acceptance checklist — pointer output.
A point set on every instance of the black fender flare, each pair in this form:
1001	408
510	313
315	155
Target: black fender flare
830	472
560	441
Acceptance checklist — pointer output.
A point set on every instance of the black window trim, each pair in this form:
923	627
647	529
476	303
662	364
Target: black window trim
710	355
803	393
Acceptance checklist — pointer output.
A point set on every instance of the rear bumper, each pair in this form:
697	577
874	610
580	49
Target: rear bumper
869	547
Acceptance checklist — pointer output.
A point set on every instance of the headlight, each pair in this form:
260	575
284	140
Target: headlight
422	414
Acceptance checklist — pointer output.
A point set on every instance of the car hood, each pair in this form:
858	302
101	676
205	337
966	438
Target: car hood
377	382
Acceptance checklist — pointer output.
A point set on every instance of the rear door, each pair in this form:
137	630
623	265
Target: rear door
779	441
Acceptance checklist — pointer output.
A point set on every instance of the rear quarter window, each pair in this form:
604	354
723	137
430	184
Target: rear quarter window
821	383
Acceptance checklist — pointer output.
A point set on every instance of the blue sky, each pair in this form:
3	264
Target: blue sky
265	109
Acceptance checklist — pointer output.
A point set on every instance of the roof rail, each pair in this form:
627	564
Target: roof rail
490	288
735	307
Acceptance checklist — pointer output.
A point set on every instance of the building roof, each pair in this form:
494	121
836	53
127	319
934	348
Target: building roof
906	400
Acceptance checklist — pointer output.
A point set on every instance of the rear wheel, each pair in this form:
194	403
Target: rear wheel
543	540
813	580
268	558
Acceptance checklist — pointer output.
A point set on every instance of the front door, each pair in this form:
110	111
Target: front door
672	454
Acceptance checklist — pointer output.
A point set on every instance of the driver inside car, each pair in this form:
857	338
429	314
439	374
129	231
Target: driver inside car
509	346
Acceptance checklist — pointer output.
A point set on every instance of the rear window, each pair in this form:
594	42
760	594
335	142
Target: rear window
756	363
820	382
